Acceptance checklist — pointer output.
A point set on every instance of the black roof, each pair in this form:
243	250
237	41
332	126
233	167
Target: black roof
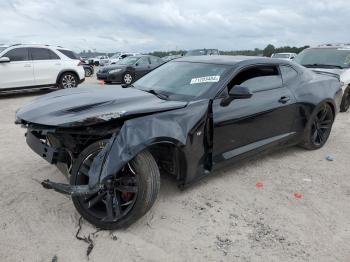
229	60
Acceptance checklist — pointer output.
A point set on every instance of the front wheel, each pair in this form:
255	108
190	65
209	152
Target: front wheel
318	128
127	78
68	80
126	197
88	72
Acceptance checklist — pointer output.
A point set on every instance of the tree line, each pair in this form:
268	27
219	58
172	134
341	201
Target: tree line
267	51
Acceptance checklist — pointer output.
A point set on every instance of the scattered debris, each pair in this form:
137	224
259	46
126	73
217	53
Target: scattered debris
163	217
223	244
259	185
113	237
54	258
307	180
209	204
298	195
329	158
87	240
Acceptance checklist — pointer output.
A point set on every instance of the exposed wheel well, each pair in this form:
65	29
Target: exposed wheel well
170	159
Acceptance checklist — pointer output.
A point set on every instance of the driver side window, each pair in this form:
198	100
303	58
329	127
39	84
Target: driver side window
258	78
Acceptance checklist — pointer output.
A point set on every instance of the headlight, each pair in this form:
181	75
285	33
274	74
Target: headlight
114	71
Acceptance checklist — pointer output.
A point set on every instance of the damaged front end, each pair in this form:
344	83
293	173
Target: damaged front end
178	136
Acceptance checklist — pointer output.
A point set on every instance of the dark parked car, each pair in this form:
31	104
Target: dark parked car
199	52
187	118
129	69
89	70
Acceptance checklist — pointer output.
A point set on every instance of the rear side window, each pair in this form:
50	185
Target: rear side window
70	54
143	61
17	54
288	73
258	78
43	54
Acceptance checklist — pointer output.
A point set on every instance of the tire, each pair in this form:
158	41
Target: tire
318	128
145	176
88	72
345	103
68	80
127	78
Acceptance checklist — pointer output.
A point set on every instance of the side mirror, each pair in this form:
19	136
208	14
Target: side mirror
4	60
236	92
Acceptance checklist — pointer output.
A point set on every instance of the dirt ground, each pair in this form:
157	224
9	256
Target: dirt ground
292	205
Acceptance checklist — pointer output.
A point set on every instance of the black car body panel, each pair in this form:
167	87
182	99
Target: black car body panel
206	133
89	106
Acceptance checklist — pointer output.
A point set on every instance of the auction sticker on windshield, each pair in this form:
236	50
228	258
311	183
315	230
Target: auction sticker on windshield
205	79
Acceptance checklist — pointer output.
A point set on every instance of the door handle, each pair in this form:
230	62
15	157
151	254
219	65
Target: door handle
284	99
27	65
58	64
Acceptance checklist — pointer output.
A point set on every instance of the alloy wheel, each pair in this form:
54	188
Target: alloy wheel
69	81
127	78
117	197
321	126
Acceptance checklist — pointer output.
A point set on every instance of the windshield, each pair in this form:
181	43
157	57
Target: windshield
326	57
280	55
2	48
130	60
115	55
182	80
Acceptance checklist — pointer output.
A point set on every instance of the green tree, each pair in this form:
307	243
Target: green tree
268	50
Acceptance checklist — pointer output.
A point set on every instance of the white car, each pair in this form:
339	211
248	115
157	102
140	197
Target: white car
333	59
286	56
119	56
99	60
32	66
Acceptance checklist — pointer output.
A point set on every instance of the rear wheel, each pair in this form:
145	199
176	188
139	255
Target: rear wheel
319	128
68	80
345	103
126	197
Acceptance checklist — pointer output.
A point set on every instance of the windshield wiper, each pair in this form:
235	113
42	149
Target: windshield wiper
323	65
158	94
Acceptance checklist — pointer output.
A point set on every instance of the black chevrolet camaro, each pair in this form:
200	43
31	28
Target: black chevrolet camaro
129	69
186	118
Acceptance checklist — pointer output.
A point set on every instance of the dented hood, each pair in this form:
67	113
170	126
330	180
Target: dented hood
90	106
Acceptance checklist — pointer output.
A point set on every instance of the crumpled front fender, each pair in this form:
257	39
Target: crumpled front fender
185	127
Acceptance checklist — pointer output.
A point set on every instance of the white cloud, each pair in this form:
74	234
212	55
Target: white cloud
142	25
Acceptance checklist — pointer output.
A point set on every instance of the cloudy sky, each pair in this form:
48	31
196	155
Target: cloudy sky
142	25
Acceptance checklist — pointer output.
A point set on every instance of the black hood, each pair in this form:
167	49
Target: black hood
89	106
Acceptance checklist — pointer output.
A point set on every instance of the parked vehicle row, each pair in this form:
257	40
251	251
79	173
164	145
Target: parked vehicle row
186	118
129	69
35	66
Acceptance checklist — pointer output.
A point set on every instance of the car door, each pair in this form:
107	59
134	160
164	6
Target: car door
19	71
46	65
142	67
248	125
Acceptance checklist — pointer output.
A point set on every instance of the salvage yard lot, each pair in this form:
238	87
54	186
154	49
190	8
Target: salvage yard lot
291	205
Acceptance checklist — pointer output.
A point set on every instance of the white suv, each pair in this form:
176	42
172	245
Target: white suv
31	66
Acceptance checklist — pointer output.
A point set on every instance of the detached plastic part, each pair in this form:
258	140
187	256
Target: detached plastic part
83	190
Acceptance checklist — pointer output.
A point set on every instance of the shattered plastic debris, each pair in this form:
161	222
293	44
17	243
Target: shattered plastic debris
329	158
298	196
259	185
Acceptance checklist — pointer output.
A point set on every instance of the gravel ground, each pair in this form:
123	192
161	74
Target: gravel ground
292	205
